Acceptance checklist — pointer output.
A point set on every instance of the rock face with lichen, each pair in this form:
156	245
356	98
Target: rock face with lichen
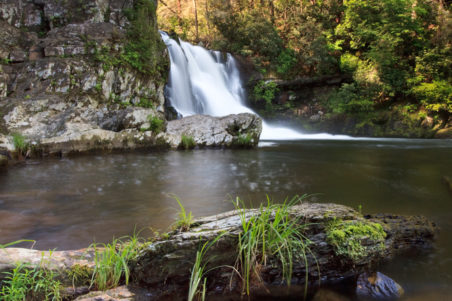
67	82
241	130
77	76
163	267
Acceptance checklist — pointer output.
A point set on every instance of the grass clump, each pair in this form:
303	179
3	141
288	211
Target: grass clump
347	238
245	141
185	219
271	233
156	124
198	272
20	144
30	284
187	142
111	262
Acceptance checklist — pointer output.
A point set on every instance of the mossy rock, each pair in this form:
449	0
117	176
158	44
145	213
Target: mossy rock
354	239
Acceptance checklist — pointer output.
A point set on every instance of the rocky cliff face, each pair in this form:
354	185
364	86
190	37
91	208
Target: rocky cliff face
67	79
88	75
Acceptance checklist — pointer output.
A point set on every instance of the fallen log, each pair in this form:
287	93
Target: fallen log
340	243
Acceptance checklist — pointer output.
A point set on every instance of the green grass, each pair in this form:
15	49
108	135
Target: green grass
198	272
185	219
187	142
111	262
245	141
30	284
271	233
20	145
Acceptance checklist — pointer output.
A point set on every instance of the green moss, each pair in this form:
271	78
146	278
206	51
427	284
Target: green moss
80	274
348	237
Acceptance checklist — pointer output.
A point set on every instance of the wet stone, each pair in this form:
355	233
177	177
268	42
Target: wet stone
377	286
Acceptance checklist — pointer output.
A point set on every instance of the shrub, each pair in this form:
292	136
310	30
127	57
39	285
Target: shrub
265	91
349	99
435	96
285	62
156	124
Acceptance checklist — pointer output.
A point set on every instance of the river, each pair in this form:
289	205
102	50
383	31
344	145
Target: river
69	203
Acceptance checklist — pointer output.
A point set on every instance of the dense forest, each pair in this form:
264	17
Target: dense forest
396	53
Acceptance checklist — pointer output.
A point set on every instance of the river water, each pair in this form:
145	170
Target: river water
69	203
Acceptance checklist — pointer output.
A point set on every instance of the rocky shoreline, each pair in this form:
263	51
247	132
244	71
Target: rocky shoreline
162	268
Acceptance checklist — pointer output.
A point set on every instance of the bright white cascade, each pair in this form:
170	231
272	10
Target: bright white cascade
207	82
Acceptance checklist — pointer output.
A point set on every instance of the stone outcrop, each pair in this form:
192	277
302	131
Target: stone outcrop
163	267
241	130
65	85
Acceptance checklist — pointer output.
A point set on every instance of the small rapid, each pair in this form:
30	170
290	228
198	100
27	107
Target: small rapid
208	82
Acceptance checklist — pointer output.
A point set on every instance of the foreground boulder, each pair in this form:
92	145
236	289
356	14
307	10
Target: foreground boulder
163	268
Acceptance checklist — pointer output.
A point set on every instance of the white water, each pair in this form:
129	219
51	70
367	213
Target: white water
206	82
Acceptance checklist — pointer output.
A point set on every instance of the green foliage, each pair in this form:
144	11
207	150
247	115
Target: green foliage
80	274
185	219
5	61
348	237
111	262
249	34
265	91
144	46
30	284
267	234
286	62
20	144
435	96
350	99
349	63
198	272
156	124
244	141
187	142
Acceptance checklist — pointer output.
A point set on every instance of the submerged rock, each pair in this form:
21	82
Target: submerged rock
241	130
378	286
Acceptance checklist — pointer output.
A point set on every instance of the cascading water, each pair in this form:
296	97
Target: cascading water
207	82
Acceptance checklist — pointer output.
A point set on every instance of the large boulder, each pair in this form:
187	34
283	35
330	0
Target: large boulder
241	130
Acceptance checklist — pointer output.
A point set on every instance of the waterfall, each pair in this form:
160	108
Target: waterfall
207	82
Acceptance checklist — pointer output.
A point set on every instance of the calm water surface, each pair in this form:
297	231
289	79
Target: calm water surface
69	203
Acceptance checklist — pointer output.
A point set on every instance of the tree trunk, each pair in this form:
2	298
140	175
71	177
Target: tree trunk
196	21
